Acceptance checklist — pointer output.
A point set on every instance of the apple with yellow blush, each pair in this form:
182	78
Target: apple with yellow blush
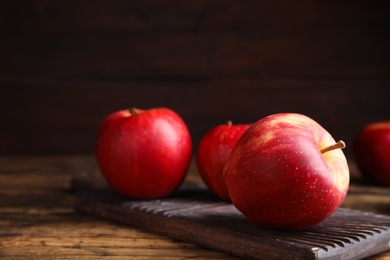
287	172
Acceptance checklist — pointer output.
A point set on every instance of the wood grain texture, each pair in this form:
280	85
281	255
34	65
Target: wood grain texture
199	218
37	219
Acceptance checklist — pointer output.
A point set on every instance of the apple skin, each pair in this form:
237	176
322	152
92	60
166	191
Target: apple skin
144	154
212	155
278	178
372	152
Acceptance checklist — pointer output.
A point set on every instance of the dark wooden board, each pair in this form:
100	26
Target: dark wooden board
194	215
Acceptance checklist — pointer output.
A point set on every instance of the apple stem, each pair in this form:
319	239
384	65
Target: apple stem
339	145
133	111
229	123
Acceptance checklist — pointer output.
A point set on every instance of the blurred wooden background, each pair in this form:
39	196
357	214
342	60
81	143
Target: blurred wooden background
65	65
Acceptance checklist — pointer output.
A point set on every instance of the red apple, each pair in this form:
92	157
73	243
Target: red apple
372	152
213	152
144	154
286	172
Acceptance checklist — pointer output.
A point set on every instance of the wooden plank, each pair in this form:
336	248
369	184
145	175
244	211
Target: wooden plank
204	54
37	220
87	253
42	212
195	216
194	15
192	39
52	234
62	117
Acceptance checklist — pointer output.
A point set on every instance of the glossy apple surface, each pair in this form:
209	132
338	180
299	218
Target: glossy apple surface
280	176
144	154
372	152
212	155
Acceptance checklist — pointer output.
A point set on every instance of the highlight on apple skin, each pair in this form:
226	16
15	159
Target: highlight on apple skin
287	172
372	152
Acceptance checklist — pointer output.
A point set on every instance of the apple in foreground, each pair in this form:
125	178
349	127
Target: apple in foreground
212	155
287	172
144	154
372	152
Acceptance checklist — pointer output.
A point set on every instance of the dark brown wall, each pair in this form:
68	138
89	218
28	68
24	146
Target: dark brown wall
65	65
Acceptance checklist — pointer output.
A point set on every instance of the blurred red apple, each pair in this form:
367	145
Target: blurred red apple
372	152
213	152
286	172
144	154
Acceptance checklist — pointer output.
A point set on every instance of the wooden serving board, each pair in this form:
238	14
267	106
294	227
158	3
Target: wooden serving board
195	215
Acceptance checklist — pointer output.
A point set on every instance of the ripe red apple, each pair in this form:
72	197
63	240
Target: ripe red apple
213	152
372	152
286	172
144	154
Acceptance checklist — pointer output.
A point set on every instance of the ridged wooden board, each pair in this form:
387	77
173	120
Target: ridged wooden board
198	217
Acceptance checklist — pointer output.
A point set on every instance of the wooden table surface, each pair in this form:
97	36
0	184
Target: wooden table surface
37	219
